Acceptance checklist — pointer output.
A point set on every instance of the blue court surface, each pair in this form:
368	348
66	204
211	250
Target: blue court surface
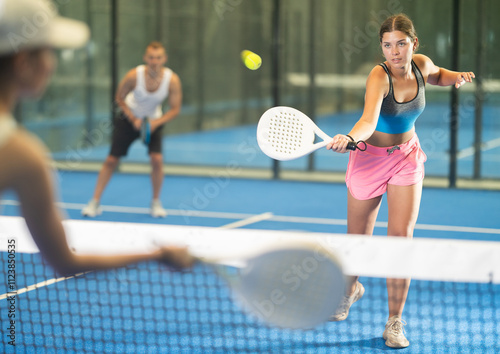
127	310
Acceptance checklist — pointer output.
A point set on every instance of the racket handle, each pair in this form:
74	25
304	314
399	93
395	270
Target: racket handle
351	145
146	131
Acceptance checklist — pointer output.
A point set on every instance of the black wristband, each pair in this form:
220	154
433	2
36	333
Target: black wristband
350	137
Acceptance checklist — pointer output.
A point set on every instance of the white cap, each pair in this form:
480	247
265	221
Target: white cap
28	24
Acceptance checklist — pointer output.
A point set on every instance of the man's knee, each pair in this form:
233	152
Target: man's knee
156	160
111	162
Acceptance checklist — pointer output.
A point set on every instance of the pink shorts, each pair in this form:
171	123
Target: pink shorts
369	172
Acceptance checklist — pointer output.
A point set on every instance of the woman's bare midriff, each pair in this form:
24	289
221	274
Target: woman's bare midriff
380	139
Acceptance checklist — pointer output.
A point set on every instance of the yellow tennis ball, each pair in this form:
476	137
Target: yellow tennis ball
251	60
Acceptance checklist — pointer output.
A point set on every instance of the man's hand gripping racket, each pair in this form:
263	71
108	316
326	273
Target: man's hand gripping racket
285	133
146	131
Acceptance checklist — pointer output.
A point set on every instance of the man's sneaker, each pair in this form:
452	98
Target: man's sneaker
157	210
343	309
92	209
394	333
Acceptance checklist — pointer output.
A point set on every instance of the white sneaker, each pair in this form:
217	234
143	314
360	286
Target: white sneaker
157	210
394	333
343	309
92	209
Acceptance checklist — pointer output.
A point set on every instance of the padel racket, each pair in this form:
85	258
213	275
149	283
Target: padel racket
285	133
297	286
146	131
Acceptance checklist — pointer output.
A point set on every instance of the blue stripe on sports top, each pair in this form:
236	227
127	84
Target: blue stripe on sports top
396	117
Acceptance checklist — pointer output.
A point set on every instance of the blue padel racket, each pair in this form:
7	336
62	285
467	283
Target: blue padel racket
146	131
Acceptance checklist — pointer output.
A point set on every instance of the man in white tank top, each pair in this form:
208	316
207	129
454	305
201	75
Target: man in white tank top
140	95
25	69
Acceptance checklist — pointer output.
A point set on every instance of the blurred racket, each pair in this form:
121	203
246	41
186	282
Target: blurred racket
285	133
297	286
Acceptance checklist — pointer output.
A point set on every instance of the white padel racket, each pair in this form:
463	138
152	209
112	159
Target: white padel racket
285	133
297	286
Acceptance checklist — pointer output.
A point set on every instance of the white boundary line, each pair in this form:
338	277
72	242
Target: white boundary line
139	210
266	216
39	285
383	224
246	221
485	146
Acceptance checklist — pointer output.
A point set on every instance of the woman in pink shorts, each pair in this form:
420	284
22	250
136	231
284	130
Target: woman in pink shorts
393	161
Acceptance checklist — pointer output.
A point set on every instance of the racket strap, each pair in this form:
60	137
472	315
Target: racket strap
353	144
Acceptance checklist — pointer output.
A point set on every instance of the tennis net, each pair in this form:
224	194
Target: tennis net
452	304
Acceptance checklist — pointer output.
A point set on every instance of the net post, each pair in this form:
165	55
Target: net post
200	64
275	73
479	93
89	98
114	55
312	72
454	101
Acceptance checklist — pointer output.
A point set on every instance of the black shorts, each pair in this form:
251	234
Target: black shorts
124	134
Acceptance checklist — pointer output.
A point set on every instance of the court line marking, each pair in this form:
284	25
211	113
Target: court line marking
39	285
245	221
248	221
384	224
139	210
487	145
275	218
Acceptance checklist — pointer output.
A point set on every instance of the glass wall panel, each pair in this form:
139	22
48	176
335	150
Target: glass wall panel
333	42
